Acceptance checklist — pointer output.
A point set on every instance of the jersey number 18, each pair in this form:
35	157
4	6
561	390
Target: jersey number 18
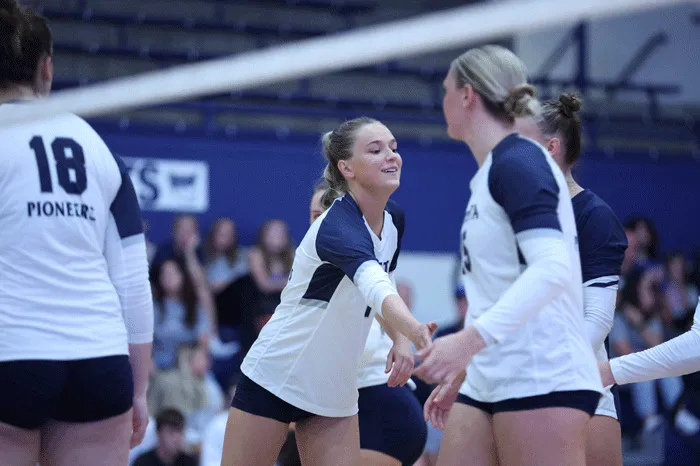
70	165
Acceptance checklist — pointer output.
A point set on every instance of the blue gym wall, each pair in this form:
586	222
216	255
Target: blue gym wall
256	178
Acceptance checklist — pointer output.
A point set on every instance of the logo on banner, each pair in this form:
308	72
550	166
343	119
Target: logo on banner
170	185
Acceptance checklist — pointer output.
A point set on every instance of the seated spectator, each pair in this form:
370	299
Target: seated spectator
184	231
681	295
270	262
225	262
236	306
637	327
189	388
646	242
180	318
170	428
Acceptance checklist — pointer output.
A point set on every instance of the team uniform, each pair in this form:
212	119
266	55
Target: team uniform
602	244
390	418
74	285
306	359
521	271
673	358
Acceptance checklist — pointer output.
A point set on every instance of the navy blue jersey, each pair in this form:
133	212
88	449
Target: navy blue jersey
602	245
602	240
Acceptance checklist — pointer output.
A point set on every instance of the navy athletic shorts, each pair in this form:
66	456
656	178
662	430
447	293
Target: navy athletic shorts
584	400
254	399
391	422
84	390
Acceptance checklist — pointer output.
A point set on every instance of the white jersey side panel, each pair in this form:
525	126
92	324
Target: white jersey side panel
310	351
57	183
373	366
549	353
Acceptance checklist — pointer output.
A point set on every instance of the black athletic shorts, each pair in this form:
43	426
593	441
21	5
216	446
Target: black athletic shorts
84	390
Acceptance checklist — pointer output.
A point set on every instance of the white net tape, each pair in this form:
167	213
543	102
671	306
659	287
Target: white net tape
360	47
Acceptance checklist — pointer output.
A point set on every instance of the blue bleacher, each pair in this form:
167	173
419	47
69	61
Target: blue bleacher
98	40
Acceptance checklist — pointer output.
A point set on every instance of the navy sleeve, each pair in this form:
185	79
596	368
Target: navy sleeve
602	245
399	218
125	206
343	240
521	181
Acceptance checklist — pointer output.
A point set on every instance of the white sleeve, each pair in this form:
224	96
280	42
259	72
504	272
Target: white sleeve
128	270
374	284
599	313
676	357
545	277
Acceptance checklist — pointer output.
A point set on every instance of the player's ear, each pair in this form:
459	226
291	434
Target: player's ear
468	95
554	148
346	169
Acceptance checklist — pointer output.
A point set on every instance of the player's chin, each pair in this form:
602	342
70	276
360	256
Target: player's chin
391	183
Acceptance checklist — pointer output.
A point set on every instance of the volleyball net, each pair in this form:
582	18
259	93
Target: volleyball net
359	47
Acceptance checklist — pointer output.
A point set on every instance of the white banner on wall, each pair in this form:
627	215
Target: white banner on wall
170	185
431	277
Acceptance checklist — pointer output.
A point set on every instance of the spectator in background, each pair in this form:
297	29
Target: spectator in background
646	241
150	247
638	327
270	262
184	230
191	389
179	315
224	260
630	260
170	426
681	295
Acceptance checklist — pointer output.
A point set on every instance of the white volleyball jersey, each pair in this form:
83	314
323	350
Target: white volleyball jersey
310	351
520	189
373	365
60	190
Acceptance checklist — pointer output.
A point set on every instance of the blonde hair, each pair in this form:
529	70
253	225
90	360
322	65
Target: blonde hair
500	78
337	146
322	186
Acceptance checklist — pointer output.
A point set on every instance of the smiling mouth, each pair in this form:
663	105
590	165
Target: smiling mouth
390	170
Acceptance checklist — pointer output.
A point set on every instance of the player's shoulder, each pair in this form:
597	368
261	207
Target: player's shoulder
343	214
342	224
594	214
518	158
520	152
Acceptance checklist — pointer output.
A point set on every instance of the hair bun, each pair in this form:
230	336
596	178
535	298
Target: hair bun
520	101
569	104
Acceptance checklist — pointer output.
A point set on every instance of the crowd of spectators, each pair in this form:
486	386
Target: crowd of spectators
212	296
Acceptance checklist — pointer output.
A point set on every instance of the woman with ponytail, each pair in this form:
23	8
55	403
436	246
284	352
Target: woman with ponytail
522	371
76	312
303	368
602	243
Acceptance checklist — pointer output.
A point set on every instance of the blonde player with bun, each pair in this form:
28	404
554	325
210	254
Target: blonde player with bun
531	382
76	313
303	367
602	243
392	429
